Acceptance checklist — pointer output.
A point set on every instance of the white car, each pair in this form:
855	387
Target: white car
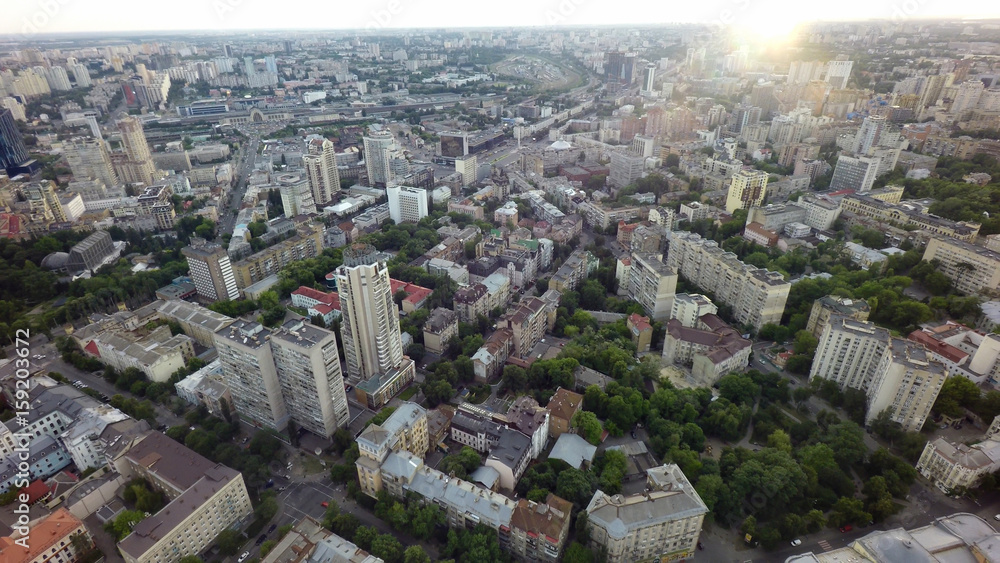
796	543
997	517
243	557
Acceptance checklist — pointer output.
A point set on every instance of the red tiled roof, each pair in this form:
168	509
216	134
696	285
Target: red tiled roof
943	349
414	293
311	293
640	322
36	491
91	348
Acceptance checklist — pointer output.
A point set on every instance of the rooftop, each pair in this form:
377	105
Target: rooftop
564	404
573	449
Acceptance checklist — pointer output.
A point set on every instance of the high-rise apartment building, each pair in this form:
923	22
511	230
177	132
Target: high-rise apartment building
321	170
250	372
138	167
855	173
89	159
466	166
378	149
211	271
296	194
652	284
643	146
81	75
370	327
625	169
838	72
44	202
972	269
748	188
13	153
56	77
756	296
869	134
308	368
895	374
407	204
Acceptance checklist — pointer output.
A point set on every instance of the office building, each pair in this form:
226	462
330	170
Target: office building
748	188
90	253
757	296
137	166
205	498
211	271
652	284
662	524
50	540
13	154
321	171
509	457
649	78
619	67
44	203
407	204
896	375
821	212
854	173
830	305
625	169
972	269
89	159
378	154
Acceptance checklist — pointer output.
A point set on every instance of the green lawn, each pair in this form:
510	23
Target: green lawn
409	392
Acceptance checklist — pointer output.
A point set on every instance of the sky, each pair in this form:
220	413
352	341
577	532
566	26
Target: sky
30	17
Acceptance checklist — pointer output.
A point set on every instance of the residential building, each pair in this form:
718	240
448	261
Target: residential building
641	331
205	498
757	234
955	467
825	307
489	360
748	188
972	269
895	374
662	524
321	171
757	296
306	243
50	539
510	457
308	540
440	328
89	159
467	167
312	385
250	372
689	307
774	217
528	323
539	530
531	420
405	430
580	264
211	271
207	387
407	204
378	147
562	406
44	203
296	195
137	166
964	351
652	284
625	169
712	349
474	431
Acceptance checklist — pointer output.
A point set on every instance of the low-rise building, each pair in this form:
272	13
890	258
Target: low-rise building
197	322
158	355
309	541
510	457
972	269
712	350
489	360
573	271
440	328
51	539
531	420
539	530
476	432
527	323
641	331
953	467
562	406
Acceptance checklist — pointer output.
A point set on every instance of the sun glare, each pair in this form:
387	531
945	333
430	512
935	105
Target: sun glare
772	27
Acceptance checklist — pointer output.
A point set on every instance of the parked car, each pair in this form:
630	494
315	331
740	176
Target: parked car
845	529
796	542
325	504
997	517
260	539
243	557
272	528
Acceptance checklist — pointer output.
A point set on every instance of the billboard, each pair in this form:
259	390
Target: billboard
454	145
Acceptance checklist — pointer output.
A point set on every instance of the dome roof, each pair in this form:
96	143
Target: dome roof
561	145
55	261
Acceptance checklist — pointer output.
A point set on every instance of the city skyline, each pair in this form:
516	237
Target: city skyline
768	18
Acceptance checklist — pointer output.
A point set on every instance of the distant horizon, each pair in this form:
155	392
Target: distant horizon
62	18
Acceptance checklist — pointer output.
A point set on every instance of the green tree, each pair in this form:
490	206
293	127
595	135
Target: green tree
123	523
957	393
387	548
415	554
738	388
229	541
587	425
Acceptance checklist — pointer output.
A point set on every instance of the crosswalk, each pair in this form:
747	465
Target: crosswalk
825	545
